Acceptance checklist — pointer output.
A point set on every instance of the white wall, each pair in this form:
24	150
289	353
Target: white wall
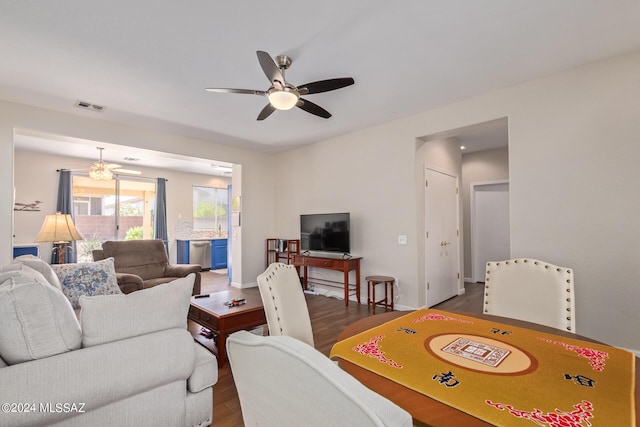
43	185
573	150
356	174
257	170
487	165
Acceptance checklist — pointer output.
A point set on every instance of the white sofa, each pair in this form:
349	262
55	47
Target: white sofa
128	361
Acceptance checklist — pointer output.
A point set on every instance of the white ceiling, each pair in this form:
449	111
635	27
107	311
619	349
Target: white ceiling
127	157
148	61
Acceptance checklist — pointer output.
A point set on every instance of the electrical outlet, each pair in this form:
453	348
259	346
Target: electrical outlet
402	240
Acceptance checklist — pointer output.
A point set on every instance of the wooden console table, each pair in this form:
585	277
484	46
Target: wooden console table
338	264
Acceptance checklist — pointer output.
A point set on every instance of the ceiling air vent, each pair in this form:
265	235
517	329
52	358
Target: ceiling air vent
89	106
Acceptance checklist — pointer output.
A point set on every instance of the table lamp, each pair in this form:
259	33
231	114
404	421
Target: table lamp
59	229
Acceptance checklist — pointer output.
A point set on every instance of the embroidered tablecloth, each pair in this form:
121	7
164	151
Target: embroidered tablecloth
505	375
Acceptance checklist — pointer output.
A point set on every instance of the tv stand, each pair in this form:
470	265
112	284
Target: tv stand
339	263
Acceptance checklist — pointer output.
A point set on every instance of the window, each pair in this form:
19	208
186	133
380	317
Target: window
119	209
210	208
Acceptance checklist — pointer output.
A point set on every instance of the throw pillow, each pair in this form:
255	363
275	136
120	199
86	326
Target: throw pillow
89	278
41	266
116	317
37	320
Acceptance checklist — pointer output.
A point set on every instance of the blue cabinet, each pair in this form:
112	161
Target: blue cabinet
219	254
183	252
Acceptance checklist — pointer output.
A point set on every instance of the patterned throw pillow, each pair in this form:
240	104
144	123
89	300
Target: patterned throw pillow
90	278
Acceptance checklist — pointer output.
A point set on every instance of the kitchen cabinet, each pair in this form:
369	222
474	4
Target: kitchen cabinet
209	253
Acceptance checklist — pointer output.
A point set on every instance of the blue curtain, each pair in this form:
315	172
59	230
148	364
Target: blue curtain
65	206
160	223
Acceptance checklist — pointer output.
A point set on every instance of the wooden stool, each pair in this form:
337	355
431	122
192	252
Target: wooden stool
388	282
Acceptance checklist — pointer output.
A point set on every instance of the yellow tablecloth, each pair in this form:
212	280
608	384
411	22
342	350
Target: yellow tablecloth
505	375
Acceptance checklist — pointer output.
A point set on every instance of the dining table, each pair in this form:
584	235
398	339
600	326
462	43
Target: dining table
425	410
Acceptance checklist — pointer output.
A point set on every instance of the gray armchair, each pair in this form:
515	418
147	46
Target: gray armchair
142	264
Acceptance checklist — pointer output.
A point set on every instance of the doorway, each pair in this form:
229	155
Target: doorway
490	229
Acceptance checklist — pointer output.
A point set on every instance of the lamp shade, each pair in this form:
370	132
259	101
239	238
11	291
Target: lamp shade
58	228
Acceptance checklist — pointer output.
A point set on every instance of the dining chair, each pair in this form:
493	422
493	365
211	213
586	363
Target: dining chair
284	304
283	382
531	290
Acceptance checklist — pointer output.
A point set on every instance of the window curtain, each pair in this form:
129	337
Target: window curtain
160	222
65	206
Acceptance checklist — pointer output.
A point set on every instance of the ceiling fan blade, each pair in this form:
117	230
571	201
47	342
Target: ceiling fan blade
312	108
325	85
269	67
243	91
266	112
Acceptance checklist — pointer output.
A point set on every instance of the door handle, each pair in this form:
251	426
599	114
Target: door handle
444	243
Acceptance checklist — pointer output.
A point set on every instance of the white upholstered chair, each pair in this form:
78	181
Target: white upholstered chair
284	382
284	303
531	290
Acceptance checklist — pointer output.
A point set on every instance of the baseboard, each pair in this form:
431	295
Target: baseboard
469	280
244	285
399	307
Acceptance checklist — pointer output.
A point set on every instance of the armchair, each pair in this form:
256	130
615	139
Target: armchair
142	264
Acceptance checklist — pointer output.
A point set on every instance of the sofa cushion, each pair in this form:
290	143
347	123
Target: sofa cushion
109	318
37	320
18	269
205	371
90	278
41	266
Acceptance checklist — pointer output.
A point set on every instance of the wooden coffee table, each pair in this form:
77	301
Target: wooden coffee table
213	314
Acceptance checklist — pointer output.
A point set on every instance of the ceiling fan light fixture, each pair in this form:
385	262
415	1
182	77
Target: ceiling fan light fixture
101	174
283	99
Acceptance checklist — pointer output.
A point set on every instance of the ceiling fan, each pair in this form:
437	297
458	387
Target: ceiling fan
282	94
102	171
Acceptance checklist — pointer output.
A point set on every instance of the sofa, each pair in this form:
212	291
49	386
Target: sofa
126	360
141	264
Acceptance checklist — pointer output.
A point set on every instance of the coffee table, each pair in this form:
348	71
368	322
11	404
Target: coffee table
213	314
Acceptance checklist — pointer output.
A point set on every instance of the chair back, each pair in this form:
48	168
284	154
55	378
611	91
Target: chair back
145	258
284	303
531	290
283	382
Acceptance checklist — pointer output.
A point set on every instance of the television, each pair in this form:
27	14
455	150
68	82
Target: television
325	232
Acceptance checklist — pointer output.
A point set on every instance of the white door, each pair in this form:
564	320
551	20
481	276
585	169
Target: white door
490	232
441	220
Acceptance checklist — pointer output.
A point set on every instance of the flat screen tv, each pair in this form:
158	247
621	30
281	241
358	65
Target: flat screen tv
325	232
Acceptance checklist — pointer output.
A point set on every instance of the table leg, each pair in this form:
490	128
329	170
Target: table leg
221	343
346	286
304	278
358	281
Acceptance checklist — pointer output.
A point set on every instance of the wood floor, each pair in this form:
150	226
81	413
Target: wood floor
329	316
